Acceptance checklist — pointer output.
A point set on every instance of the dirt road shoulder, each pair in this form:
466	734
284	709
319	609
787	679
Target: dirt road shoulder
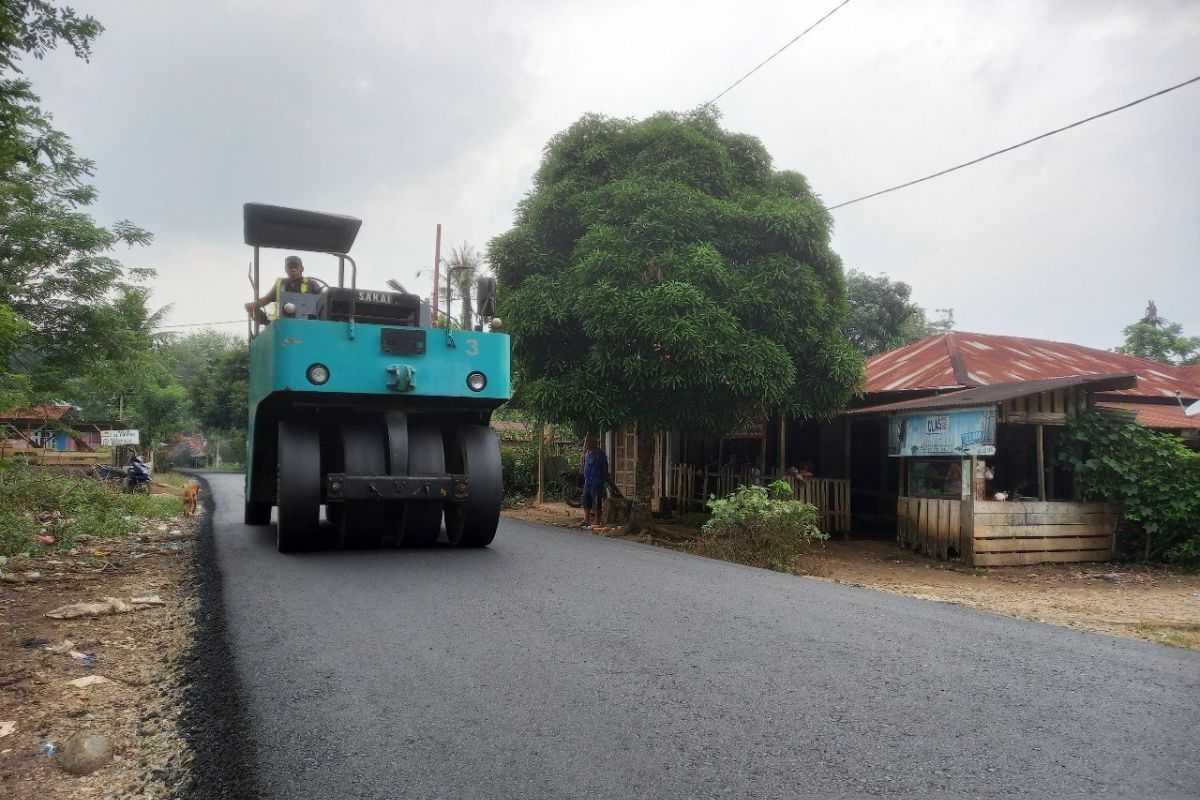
1153	604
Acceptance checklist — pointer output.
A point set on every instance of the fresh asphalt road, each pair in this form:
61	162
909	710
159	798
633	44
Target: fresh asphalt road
558	664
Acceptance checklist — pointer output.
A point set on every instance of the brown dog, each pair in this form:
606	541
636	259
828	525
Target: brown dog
191	494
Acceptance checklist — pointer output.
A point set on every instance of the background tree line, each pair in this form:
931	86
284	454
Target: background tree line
75	323
661	271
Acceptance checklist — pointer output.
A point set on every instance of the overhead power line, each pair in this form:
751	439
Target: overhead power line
1010	148
731	86
199	324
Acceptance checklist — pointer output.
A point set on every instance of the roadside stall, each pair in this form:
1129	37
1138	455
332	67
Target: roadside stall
980	477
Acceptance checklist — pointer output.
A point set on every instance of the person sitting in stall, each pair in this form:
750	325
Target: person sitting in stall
295	282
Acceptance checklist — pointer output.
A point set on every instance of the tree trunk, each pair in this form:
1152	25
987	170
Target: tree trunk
640	518
541	468
466	312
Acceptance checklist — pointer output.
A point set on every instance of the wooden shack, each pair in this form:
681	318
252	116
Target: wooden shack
981	477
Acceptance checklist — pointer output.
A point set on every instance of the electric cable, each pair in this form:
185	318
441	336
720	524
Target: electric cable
198	324
731	86
1010	148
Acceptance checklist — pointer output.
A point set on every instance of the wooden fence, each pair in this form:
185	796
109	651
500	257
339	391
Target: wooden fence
691	486
37	456
991	533
930	525
1037	532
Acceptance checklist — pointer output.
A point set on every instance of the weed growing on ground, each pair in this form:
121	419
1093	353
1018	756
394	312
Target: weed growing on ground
694	519
760	526
84	505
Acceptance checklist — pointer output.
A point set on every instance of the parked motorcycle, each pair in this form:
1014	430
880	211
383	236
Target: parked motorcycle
106	474
137	476
572	483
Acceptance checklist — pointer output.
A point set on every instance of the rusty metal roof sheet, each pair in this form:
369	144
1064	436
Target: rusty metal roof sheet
963	360
1157	415
999	392
45	413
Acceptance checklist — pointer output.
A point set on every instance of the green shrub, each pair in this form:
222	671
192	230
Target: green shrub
1153	475
16	531
86	506
518	464
759	525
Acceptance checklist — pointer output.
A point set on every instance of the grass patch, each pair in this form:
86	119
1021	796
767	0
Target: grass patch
1184	636
85	506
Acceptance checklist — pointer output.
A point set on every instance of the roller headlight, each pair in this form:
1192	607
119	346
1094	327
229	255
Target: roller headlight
289	309
476	381
318	374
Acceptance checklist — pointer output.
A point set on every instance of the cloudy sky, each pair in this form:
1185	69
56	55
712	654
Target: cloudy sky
411	114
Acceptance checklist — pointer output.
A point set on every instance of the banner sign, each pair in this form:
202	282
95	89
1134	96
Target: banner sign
755	430
112	438
970	432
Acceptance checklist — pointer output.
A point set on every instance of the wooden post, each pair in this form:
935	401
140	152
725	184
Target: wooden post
541	434
782	442
978	481
846	452
762	447
1041	455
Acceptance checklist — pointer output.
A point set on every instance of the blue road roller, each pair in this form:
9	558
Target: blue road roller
360	406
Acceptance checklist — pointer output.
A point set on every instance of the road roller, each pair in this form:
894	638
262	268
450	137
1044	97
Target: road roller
361	407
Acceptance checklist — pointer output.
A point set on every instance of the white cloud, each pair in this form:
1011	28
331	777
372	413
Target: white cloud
408	115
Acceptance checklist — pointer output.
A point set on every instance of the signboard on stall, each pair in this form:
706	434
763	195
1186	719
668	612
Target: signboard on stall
755	430
966	432
114	438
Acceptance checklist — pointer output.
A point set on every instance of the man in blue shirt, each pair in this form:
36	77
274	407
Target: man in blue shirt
594	465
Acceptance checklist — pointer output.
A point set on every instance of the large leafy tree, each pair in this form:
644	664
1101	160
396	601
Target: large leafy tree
219	393
1159	339
57	274
882	314
123	358
662	273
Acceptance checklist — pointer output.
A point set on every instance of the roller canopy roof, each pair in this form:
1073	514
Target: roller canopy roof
296	229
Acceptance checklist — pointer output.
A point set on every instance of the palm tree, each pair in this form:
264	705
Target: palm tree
463	264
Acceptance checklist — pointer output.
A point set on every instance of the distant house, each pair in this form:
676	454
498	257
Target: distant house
190	450
55	428
512	431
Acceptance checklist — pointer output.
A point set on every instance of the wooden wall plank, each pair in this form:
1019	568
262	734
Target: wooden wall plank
1029	545
1037	531
1048	518
1022	559
956	530
985	507
966	533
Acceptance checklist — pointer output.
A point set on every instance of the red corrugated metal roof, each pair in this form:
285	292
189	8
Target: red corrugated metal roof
999	392
960	360
36	413
1158	415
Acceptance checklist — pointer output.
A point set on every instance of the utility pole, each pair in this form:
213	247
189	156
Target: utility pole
437	274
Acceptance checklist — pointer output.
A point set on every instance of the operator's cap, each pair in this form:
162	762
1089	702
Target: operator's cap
287	262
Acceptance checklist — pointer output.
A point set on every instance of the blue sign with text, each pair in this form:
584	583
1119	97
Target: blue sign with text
969	432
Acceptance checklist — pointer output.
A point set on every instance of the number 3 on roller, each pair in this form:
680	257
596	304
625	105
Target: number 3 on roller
472	347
